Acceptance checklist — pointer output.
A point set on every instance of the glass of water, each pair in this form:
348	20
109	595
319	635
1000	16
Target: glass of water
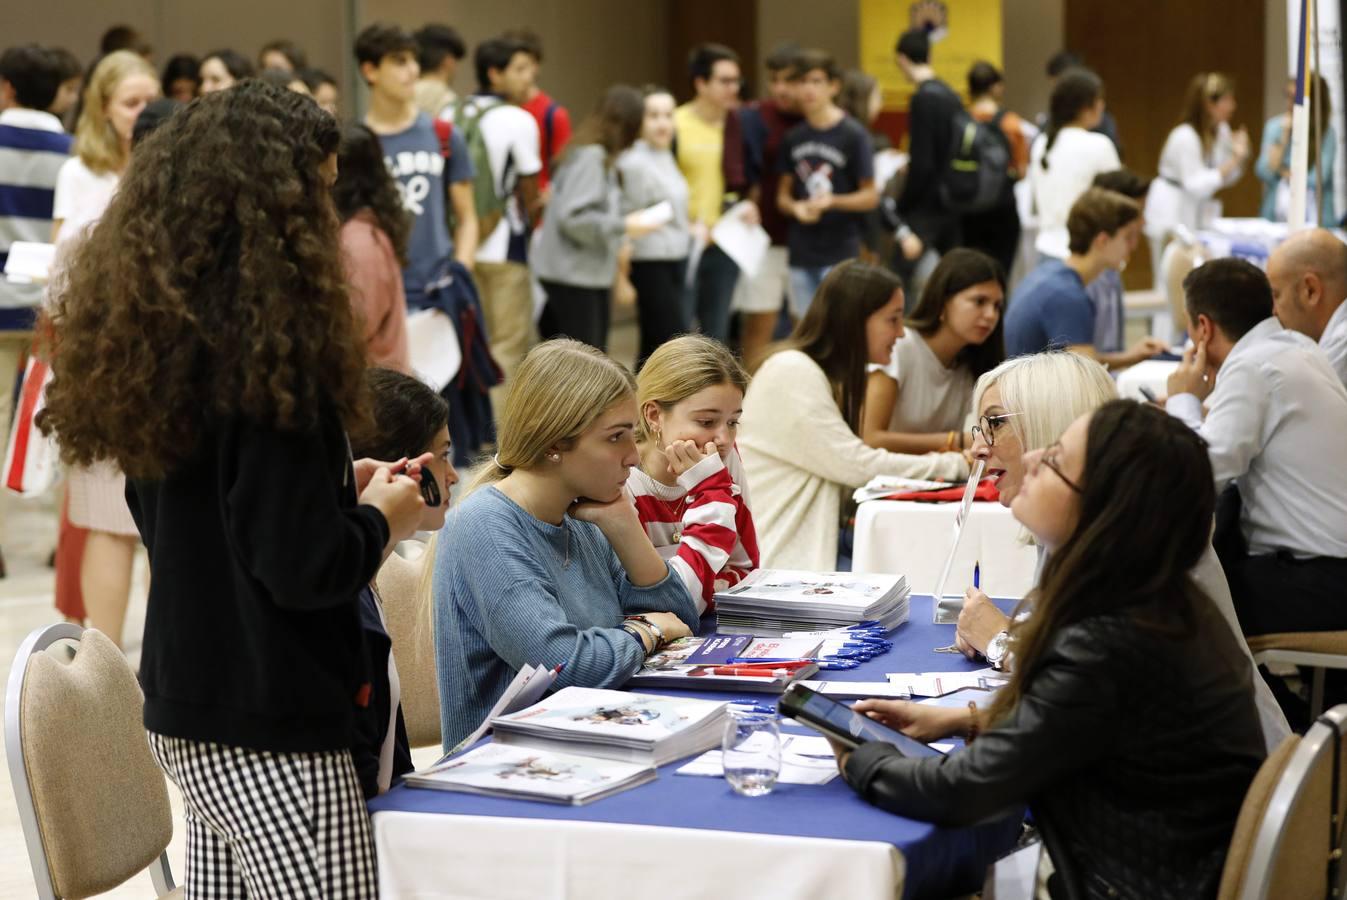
751	752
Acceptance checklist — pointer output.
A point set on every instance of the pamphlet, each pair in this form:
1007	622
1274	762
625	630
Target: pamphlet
496	770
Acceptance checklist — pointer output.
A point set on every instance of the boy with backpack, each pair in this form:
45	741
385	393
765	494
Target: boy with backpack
502	140
428	159
827	167
554	122
997	156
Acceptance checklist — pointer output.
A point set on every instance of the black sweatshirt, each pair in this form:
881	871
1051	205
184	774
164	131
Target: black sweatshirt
258	551
930	125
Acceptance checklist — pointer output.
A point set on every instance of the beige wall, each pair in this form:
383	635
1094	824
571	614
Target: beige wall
1033	32
190	27
587	44
590	43
780	21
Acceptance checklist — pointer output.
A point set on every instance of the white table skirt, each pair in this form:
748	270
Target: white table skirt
1152	374
429	855
907	538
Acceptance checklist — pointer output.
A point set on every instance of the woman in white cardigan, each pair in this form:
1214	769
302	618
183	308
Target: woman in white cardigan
799	432
1201	156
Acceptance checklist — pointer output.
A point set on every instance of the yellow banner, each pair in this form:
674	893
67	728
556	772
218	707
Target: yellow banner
965	31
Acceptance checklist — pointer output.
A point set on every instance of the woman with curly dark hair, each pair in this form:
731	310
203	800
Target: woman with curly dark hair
202	340
374	233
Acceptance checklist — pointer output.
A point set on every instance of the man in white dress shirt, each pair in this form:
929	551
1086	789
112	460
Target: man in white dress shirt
1309	284
1276	424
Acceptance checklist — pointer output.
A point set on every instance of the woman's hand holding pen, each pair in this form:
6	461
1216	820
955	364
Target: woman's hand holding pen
979	622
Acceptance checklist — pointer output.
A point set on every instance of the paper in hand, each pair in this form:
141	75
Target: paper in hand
744	243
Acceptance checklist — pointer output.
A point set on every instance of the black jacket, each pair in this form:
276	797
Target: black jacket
371	723
1133	749
258	551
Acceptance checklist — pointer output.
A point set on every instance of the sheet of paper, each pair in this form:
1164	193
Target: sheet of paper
29	261
744	243
856	689
433	346
795	769
943	748
657	215
937	684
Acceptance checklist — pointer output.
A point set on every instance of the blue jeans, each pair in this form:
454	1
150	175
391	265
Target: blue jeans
804	282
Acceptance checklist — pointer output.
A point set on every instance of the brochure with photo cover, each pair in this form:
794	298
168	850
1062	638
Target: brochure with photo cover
775	601
673	667
498	770
616	725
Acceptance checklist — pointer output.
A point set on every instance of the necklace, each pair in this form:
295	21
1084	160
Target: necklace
682	511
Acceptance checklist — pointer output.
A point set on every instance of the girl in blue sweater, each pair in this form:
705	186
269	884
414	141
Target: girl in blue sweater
546	562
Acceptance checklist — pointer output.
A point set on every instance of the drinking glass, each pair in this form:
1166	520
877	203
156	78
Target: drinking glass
752	752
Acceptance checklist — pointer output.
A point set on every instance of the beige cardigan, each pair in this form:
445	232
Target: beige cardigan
802	459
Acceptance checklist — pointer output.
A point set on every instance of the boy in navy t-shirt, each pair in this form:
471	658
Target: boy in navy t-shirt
414	151
1050	309
827	168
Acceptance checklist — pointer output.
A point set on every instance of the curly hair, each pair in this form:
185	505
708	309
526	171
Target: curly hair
211	289
363	182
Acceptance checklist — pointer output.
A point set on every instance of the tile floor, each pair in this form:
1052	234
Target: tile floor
27	535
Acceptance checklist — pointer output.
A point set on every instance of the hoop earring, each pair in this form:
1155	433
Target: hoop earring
554	457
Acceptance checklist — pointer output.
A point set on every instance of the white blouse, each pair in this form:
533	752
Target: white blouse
1183	194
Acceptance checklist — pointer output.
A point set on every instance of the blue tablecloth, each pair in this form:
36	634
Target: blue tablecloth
940	861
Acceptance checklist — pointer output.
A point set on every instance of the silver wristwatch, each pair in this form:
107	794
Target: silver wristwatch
996	650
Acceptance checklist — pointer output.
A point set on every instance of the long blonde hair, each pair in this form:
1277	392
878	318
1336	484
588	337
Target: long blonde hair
1049	391
96	142
680	368
558	391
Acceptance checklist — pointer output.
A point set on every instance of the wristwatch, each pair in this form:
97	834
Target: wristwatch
996	650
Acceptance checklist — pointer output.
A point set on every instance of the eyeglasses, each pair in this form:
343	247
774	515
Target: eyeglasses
987	426
1049	459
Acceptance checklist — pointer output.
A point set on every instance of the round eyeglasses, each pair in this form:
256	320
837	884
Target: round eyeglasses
988	425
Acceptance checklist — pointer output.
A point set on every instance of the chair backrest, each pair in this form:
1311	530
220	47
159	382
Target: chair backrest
400	585
1251	815
93	802
1297	834
1176	262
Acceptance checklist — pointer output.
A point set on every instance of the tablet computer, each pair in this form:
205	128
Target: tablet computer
839	722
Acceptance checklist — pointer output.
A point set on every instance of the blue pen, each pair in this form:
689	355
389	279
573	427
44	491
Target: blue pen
753	706
977	575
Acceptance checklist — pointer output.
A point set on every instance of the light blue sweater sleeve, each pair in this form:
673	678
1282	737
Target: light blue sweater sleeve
510	590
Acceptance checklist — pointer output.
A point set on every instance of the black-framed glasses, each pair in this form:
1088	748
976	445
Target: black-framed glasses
988	425
1049	459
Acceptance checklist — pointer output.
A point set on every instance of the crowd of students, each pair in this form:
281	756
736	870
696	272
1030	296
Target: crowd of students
232	385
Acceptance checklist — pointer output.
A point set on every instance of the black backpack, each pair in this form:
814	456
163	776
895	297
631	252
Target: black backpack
978	176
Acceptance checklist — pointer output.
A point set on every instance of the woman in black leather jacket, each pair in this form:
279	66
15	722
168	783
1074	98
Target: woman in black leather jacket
1129	724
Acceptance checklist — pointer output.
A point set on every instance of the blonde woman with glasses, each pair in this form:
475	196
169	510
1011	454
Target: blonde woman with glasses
545	562
1023	407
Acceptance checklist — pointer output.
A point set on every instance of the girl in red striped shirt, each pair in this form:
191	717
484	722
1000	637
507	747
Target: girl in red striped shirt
690	491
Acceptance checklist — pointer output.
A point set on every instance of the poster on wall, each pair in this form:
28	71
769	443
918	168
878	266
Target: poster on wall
962	32
1328	18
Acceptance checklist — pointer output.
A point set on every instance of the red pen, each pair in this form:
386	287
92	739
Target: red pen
754	671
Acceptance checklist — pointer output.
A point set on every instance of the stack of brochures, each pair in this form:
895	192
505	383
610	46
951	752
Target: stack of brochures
776	601
528	686
498	770
730	662
640	728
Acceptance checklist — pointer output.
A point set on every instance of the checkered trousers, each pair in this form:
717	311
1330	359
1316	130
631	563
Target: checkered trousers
263	825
